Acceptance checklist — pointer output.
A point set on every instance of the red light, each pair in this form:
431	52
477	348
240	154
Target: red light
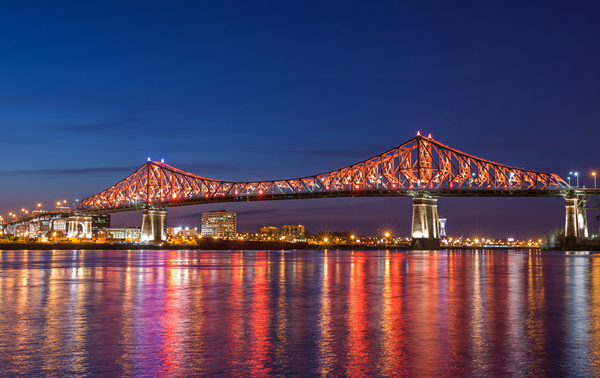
260	192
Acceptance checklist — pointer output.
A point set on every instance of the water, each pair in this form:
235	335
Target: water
300	313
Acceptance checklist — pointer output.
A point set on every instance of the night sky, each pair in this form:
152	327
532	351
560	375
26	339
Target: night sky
273	90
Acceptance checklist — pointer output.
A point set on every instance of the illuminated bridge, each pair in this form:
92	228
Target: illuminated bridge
421	168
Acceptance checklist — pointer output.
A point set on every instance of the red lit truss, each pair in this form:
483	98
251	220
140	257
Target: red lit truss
419	166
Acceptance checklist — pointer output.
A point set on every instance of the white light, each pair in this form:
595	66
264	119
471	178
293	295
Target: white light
148	158
511	239
162	160
417	234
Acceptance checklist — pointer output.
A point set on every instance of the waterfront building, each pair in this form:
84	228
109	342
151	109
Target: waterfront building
59	225
99	222
126	233
442	222
220	224
293	233
269	234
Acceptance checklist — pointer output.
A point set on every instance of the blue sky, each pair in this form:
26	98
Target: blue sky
271	90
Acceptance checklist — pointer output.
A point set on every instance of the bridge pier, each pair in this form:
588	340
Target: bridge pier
425	224
575	223
154	226
86	226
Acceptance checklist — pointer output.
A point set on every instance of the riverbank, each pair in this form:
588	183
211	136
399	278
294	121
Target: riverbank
204	244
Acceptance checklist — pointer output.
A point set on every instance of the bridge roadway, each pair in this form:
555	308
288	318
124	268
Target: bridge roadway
421	168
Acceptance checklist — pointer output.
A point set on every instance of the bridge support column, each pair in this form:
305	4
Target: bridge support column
154	226
575	223
425	224
75	222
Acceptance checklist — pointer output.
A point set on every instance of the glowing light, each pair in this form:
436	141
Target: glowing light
417	234
325	240
418	133
429	136
387	234
148	158
162	160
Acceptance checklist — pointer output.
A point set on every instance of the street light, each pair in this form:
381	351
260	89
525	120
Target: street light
594	175
577	175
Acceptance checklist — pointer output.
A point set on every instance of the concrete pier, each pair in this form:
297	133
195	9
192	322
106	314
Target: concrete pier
575	223
154	226
75	222
425	224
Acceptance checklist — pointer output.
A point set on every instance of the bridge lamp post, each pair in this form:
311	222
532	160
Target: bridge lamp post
577	175
569	178
594	176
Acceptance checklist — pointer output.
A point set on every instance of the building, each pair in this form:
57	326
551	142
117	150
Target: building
220	224
99	222
269	234
442	221
127	233
182	232
293	233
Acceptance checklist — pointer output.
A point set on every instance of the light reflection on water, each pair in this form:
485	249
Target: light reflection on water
309	313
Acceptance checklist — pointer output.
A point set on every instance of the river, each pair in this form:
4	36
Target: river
299	313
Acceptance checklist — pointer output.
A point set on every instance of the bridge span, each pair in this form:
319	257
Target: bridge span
421	168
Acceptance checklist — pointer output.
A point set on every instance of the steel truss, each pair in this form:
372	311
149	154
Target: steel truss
418	166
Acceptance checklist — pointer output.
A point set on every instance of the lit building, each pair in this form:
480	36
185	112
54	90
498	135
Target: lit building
442	227
220	224
59	225
127	233
269	233
99	222
293	233
181	232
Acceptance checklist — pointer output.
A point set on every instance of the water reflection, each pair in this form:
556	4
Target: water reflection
301	313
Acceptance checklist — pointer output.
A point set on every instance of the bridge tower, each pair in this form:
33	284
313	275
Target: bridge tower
154	226
575	222
425	224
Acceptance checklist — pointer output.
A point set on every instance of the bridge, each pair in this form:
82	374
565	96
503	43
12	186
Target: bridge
421	168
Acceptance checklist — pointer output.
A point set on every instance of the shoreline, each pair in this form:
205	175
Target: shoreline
220	245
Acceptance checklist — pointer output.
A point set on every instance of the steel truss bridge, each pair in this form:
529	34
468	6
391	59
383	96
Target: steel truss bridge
421	165
422	168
